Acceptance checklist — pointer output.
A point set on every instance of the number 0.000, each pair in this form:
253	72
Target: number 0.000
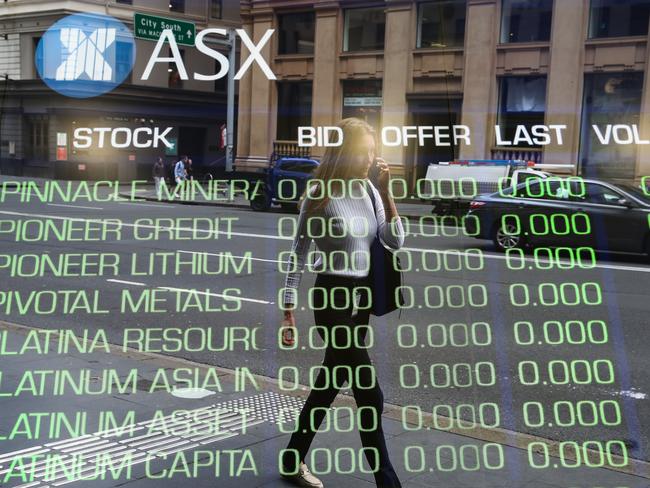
552	294
443	335
342	460
441	375
557	333
448	417
447	458
545	258
451	296
564	413
560	372
592	454
428	260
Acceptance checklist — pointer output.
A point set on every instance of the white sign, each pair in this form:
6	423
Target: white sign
61	139
362	101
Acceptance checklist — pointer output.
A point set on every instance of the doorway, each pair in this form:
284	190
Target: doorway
432	112
191	142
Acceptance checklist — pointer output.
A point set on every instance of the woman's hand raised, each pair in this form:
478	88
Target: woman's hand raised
383	176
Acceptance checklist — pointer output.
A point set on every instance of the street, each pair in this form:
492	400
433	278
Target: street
482	339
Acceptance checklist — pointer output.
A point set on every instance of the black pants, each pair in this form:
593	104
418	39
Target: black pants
367	392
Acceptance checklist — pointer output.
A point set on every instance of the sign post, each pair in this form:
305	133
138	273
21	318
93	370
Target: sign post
230	113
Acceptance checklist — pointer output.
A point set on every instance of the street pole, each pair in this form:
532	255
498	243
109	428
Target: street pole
2	107
230	117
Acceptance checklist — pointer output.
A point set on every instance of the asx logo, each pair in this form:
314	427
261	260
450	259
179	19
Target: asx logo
85	55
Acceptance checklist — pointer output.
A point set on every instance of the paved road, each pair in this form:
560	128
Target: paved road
217	439
491	369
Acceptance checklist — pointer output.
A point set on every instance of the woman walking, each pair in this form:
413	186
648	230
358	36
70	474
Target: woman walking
352	218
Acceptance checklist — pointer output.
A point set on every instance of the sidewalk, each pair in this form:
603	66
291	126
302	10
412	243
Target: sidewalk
161	450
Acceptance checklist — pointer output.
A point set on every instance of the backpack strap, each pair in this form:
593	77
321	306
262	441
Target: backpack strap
371	194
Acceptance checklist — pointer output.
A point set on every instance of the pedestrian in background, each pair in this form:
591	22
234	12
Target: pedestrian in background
189	170
344	173
158	173
180	174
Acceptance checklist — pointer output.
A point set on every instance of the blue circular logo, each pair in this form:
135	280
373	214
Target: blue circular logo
85	55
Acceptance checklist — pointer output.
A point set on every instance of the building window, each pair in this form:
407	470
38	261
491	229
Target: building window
619	18
37	140
442	23
609	99
177	6
363	99
296	33
364	29
174	79
215	9
38	56
126	2
294	108
522	101
123	61
526	20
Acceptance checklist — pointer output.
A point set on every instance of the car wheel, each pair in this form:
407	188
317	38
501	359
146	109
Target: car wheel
261	202
504	237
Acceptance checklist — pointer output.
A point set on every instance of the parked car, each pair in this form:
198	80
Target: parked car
451	186
284	182
569	212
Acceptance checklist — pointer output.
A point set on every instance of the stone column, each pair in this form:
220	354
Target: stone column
324	109
397	74
243	121
261	136
479	77
565	80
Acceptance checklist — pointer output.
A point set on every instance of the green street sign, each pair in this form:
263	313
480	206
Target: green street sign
151	26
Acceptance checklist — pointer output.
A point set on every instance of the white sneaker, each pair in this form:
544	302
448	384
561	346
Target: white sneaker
304	478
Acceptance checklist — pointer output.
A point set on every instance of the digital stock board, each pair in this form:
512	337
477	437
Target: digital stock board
325	243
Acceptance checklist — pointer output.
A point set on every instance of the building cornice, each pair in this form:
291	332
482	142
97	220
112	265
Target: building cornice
398	5
327	6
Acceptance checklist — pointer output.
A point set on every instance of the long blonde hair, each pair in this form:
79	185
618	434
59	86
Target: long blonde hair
338	161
